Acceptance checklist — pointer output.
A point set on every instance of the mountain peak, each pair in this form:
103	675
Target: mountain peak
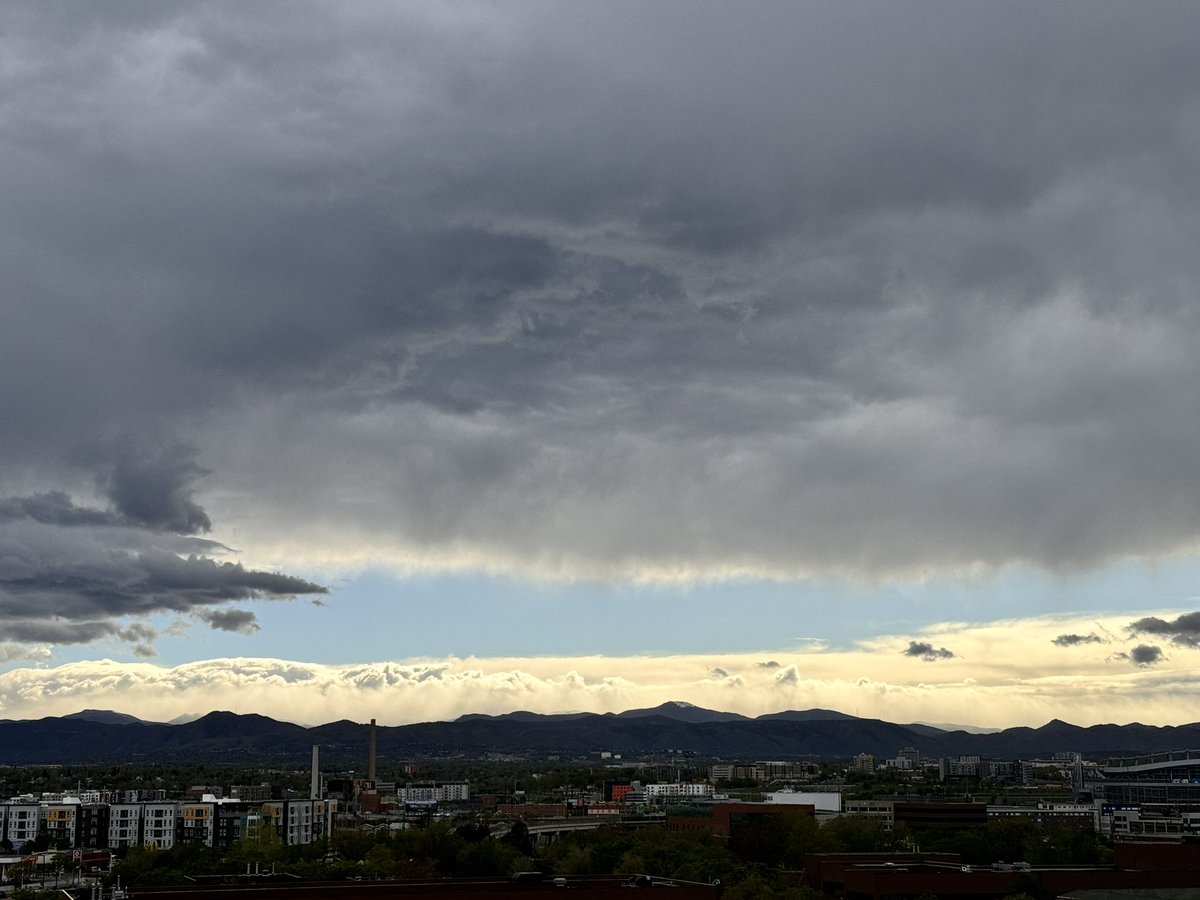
1056	725
806	715
105	716
682	711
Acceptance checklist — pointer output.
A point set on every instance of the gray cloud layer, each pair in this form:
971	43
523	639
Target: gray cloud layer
803	286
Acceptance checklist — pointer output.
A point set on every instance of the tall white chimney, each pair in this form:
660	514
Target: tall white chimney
371	758
314	790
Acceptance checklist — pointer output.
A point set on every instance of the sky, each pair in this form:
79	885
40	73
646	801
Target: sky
405	360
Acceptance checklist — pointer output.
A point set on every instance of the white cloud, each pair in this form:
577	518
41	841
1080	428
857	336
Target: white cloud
1008	673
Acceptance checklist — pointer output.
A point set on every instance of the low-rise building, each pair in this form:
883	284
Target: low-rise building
1055	815
723	820
876	809
821	801
659	792
435	792
917	815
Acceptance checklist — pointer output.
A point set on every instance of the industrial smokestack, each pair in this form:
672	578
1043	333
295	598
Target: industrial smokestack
314	790
371	758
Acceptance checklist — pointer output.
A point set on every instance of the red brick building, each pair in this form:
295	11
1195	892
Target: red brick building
723	819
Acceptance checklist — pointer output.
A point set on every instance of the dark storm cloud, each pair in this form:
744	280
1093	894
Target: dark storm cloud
154	489
927	652
50	631
71	574
1143	655
769	664
1075	640
124	575
1184	631
54	508
850	287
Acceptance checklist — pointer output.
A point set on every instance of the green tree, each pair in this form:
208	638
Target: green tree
518	838
380	862
490	857
263	847
35	894
856	834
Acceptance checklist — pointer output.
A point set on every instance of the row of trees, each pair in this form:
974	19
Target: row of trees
759	859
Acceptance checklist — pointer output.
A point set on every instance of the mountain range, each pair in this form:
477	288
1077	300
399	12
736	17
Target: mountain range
674	728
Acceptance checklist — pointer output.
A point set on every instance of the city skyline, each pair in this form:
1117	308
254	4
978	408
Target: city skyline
399	362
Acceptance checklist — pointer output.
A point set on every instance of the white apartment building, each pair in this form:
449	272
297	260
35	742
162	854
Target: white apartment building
124	825
162	824
158	825
298	821
453	791
24	820
677	789
436	792
417	793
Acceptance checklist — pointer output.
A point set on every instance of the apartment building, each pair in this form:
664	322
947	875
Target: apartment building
124	825
764	771
160	824
655	792
22	823
59	821
91	824
434	792
863	762
298	821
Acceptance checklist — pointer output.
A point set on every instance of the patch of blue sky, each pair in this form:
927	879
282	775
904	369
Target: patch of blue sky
376	615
